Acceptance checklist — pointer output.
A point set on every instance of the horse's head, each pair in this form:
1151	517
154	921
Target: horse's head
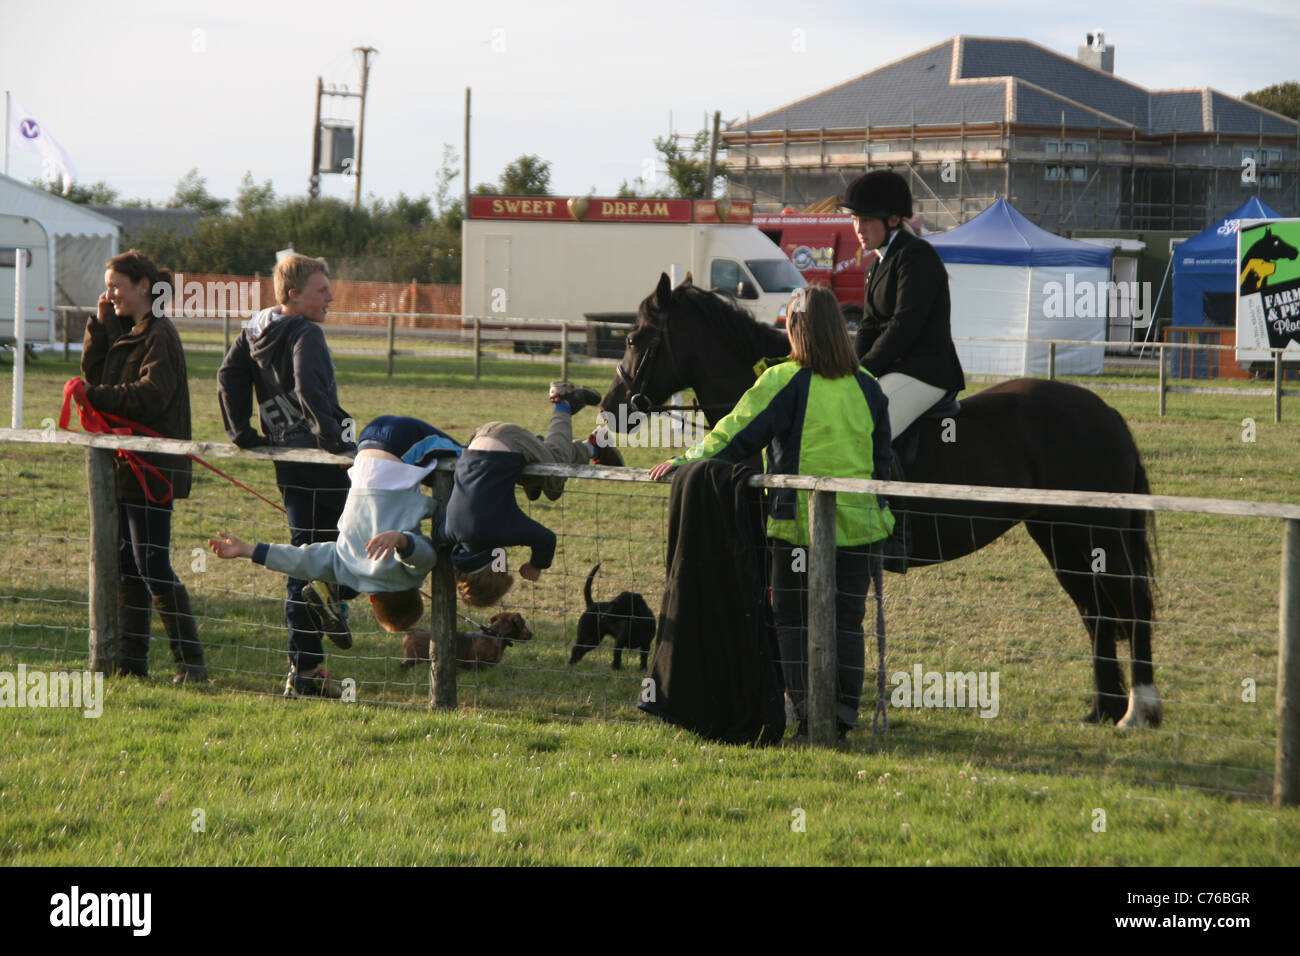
689	338
646	375
1272	248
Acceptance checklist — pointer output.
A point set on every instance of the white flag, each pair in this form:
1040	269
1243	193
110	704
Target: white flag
24	129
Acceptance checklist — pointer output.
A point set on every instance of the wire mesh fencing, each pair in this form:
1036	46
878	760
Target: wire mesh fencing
988	658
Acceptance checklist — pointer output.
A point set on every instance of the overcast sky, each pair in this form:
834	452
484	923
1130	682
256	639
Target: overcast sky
140	96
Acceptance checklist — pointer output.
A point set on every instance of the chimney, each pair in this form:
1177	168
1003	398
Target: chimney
1097	53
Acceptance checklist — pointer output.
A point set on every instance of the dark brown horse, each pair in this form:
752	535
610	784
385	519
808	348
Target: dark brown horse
1026	433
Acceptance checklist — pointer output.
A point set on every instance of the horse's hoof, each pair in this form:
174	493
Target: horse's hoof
1106	709
1143	708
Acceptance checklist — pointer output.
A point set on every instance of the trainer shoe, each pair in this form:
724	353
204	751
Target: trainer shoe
329	612
313	683
575	396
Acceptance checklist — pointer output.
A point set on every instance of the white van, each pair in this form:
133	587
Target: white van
590	258
28	235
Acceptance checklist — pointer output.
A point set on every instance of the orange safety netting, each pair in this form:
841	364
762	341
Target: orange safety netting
350	295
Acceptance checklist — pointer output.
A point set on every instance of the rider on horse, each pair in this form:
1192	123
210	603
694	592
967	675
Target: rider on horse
905	339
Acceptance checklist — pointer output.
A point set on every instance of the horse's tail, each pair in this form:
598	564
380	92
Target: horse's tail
1144	700
1143	526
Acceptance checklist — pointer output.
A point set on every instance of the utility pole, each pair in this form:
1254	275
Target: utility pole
313	182
465	207
365	52
711	170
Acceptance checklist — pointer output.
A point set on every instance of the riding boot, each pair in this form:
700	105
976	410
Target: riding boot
178	622
133	616
899	544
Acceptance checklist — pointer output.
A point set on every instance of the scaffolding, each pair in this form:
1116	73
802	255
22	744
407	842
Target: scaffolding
1063	178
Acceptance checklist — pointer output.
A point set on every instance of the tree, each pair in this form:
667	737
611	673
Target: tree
688	168
192	193
634	189
1282	98
252	197
96	194
527	176
446	175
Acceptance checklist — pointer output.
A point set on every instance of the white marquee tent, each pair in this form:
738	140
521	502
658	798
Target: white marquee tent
1012	280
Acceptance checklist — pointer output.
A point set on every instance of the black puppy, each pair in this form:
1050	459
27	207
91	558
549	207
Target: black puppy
627	618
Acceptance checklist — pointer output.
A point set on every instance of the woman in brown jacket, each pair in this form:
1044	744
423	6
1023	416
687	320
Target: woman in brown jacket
134	368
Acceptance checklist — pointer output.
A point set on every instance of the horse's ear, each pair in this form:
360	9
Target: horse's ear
662	291
689	280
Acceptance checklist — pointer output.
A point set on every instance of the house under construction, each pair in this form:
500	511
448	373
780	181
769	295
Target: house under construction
1065	140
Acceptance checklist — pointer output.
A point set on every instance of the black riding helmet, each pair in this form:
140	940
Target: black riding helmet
878	194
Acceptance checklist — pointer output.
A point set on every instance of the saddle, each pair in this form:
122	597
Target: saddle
907	444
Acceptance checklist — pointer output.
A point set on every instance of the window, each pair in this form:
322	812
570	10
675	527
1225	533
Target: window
776	275
7	257
1073	174
1270	181
1263	157
1068	146
725	274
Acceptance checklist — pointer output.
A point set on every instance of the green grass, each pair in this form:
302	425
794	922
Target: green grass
386	781
314	783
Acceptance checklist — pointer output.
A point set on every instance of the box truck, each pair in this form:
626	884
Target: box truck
590	258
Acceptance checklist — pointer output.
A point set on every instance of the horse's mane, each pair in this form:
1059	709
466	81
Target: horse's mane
734	323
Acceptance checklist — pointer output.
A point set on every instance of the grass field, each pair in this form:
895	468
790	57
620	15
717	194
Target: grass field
549	764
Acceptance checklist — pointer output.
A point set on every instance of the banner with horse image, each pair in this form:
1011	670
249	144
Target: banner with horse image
1268	289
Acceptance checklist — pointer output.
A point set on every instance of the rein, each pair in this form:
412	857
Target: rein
106	423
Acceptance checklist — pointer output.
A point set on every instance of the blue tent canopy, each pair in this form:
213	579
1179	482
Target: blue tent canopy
1001	236
1205	268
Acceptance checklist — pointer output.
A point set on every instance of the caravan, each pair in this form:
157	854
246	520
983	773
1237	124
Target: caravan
24	244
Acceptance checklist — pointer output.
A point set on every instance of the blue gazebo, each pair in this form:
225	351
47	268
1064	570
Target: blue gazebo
1205	269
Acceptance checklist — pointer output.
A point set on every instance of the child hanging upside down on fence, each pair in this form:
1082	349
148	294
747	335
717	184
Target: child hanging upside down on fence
380	549
483	516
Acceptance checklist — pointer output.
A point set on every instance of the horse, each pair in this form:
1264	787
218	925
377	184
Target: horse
1024	433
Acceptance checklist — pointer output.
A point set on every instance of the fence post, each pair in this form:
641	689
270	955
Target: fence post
102	585
392	325
442	624
225	327
66	316
1161	347
564	351
822	695
1051	361
1277	387
1286	774
478	347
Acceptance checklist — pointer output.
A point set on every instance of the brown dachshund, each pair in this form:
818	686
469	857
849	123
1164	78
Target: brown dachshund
473	648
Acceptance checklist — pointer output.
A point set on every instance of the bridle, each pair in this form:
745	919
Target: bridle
634	383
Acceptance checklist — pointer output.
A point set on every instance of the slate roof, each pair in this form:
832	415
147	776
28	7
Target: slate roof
134	219
1009	80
